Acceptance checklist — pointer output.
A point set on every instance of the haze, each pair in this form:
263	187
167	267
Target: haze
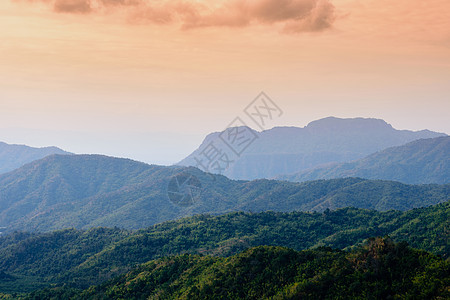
148	79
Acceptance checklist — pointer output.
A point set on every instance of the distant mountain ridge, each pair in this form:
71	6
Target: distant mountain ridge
418	162
288	150
15	156
84	191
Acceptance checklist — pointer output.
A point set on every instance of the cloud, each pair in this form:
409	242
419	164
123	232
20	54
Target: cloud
321	17
295	15
72	6
291	15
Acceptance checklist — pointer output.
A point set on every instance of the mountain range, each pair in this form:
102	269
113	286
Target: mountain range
84	191
99	227
421	161
15	156
288	150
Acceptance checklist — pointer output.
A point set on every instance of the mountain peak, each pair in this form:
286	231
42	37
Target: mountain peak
336	124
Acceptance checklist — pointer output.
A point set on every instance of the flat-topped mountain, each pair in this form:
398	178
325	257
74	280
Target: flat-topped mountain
288	150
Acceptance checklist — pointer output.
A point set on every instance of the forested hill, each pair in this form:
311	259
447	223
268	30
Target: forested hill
84	191
418	162
380	269
82	258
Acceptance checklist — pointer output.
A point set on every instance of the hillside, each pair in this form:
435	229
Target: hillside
15	156
82	258
380	269
288	150
84	191
421	161
54	190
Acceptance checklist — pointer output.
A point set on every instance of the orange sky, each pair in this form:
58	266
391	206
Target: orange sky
173	71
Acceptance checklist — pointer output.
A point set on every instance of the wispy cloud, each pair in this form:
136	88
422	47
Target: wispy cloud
72	6
291	15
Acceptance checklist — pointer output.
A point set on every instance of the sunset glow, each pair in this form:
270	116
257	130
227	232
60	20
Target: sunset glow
124	68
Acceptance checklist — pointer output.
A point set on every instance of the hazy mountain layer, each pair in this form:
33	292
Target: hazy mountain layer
15	156
421	161
287	150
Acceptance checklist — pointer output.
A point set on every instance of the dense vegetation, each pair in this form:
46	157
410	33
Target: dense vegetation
422	161
85	191
82	258
379	270
289	150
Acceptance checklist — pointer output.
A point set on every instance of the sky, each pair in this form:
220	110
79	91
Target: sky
149	79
